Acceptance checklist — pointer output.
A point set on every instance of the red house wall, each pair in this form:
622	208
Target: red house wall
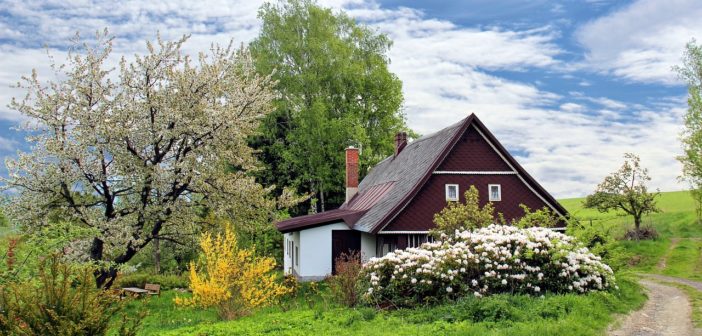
471	153
418	215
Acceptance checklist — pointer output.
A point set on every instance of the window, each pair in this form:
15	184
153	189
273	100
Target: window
416	240
385	245
495	192
297	256
452	192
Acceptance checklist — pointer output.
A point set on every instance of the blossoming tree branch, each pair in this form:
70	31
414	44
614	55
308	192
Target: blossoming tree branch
141	151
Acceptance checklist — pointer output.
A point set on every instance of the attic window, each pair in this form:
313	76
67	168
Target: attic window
495	192
452	192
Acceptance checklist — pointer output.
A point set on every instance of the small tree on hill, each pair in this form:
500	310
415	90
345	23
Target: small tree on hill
625	189
464	216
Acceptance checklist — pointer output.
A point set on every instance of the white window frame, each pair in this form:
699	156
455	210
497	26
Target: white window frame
499	193
447	193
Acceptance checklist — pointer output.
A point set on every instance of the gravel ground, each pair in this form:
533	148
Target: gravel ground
667	312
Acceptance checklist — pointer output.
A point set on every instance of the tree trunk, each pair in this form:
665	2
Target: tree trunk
157	255
321	198
637	226
105	277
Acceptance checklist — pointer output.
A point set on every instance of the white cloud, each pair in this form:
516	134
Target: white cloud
642	41
7	144
567	142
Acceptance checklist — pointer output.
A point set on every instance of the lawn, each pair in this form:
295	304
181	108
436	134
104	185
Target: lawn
679	245
316	314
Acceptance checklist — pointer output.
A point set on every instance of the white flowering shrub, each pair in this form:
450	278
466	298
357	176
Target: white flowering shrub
494	259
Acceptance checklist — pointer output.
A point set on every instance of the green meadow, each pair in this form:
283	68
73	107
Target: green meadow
677	252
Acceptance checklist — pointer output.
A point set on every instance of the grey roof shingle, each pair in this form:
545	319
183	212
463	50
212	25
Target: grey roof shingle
406	170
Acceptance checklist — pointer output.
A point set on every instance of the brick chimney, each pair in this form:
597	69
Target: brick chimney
351	172
400	142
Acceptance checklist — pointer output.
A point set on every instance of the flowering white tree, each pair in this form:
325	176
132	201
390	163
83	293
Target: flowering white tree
138	152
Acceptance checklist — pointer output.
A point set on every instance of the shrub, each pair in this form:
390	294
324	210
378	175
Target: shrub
167	281
600	240
63	301
645	233
463	216
543	217
231	278
495	259
344	285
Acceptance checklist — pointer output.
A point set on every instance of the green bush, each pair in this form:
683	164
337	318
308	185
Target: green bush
63	300
167	281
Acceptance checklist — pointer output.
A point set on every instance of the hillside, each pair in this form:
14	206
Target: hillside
677	252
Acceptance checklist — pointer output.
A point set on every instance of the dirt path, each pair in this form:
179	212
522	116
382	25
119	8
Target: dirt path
664	260
694	284
667	312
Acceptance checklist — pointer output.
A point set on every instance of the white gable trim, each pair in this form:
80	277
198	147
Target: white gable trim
518	175
403	232
473	172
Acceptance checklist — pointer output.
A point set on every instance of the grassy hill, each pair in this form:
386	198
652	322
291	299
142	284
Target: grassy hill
677	252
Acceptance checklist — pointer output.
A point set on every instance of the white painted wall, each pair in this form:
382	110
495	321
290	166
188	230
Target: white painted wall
316	249
367	246
289	252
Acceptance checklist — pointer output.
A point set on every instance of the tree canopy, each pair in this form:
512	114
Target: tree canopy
335	91
142	152
625	189
691	72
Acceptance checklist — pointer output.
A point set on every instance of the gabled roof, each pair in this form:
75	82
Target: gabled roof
404	175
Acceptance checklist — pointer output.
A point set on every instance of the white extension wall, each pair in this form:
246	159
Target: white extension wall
367	246
316	251
315	248
289	251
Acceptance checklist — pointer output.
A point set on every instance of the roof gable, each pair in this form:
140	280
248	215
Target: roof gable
473	123
395	181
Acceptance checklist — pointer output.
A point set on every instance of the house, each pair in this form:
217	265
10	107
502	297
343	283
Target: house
393	207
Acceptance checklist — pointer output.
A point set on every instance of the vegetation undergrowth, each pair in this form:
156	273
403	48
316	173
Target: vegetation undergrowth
502	314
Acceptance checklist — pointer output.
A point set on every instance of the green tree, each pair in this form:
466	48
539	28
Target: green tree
625	189
335	91
691	72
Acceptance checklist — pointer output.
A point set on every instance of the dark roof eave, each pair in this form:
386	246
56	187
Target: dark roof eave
349	217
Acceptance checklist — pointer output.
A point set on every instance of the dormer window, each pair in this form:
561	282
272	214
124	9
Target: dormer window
495	192
452	192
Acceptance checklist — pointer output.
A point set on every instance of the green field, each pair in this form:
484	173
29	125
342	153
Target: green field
677	252
496	315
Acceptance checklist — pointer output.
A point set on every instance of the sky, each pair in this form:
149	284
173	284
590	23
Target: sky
567	86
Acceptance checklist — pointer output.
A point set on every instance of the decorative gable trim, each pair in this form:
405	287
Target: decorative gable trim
473	172
523	176
403	232
519	175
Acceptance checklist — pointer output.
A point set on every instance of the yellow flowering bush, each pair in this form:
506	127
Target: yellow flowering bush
230	278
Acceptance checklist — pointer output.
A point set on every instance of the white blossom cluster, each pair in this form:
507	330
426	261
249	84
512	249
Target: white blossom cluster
494	259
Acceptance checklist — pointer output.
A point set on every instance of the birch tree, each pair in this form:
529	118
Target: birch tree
140	151
336	90
691	73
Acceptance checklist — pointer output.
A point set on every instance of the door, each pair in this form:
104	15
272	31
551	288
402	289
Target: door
344	241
